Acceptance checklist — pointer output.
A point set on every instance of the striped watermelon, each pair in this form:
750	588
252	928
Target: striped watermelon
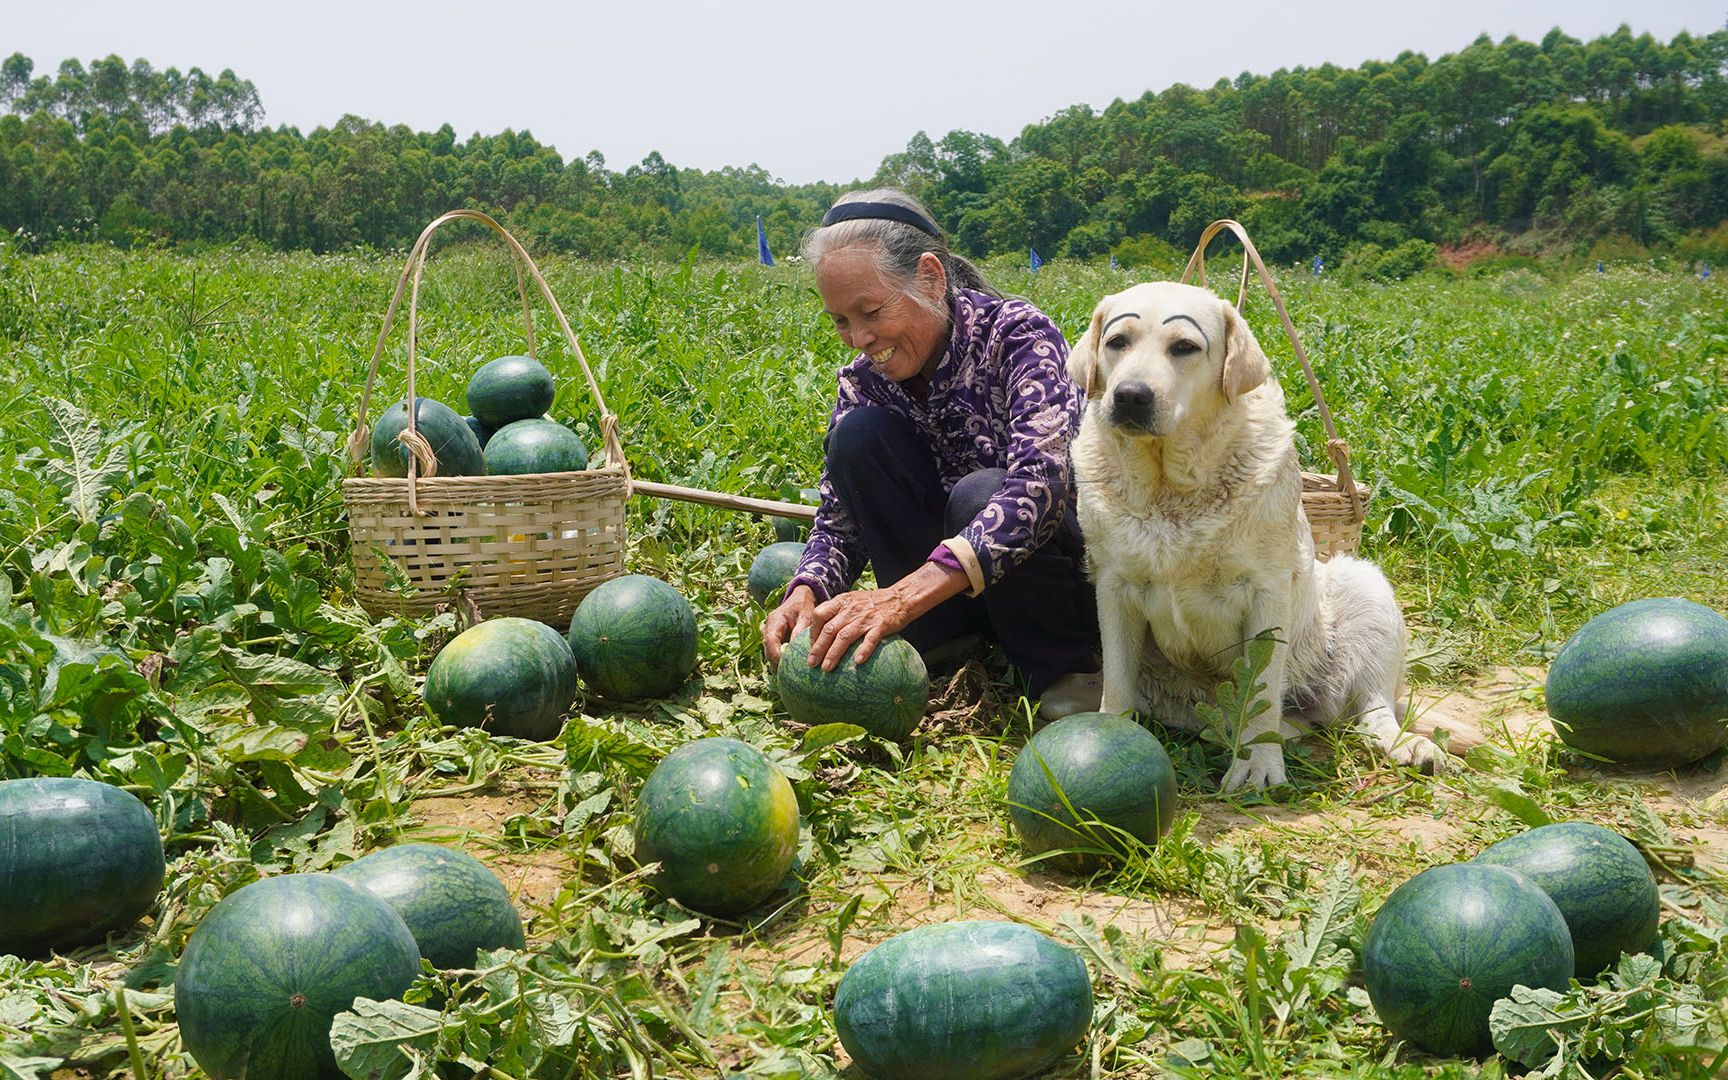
1596	878
271	965
450	901
963	1001
886	695
634	637
1108	768
722	821
1644	684
1453	940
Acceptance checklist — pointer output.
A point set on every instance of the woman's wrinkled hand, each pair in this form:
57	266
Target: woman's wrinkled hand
794	613
862	617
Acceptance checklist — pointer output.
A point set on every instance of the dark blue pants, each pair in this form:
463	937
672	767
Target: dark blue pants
1043	613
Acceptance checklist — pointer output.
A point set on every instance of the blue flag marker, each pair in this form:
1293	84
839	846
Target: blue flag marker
762	244
1035	261
1598	266
1704	274
1113	264
1318	266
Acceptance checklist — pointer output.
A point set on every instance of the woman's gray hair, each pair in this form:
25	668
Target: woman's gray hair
898	247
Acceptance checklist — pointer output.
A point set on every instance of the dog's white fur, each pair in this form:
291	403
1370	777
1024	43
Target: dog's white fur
1190	502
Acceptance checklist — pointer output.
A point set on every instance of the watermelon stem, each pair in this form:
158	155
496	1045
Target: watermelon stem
136	1055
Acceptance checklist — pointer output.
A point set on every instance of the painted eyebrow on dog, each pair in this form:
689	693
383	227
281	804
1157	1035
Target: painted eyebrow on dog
1197	326
1113	318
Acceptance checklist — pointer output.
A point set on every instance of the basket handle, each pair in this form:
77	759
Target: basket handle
421	461
1336	448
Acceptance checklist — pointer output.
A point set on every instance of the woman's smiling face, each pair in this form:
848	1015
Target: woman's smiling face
901	336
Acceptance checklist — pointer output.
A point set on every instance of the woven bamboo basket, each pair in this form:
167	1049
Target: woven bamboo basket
1335	504
530	546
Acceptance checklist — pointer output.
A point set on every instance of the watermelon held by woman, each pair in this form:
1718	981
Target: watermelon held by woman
1105	769
722	822
271	965
634	638
1597	879
78	858
510	676
509	389
1452	941
771	569
536	445
1644	684
886	695
451	439
962	1001
451	903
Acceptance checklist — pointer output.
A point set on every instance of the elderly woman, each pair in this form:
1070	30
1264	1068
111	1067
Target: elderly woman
946	463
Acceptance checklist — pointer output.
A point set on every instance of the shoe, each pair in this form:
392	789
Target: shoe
1078	692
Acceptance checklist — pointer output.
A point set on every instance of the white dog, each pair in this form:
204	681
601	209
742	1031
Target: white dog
1190	502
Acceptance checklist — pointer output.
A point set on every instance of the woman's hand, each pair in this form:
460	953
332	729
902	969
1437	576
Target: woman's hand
794	613
868	616
862	616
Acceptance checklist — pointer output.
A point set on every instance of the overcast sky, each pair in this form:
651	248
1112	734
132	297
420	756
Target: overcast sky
807	90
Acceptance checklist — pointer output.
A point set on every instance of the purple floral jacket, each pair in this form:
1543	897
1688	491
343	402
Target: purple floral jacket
1000	397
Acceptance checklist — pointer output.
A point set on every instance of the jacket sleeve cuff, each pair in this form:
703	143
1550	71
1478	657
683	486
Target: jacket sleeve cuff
968	559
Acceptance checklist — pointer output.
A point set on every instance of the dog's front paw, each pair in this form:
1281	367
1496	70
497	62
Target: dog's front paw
1262	768
1419	751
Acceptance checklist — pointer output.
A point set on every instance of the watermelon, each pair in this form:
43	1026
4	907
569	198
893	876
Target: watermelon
452	441
450	901
482	430
1109	768
722	822
787	530
771	569
1644	684
634	637
270	967
77	859
509	389
962	1001
536	445
1453	940
886	695
1597	879
510	676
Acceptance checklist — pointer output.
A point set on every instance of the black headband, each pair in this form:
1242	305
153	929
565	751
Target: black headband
888	211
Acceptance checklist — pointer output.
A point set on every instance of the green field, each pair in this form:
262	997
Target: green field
170	469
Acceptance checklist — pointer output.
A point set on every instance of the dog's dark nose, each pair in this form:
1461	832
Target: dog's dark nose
1131	404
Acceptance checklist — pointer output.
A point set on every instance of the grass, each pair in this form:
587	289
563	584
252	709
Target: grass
169	487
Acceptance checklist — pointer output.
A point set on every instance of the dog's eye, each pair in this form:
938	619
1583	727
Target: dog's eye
1183	347
1116	341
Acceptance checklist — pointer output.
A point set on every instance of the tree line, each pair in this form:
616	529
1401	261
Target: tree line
1619	144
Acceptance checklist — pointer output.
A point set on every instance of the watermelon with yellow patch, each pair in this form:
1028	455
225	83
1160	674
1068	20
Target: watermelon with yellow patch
722	822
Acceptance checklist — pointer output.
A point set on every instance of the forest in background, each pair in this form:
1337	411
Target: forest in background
1615	148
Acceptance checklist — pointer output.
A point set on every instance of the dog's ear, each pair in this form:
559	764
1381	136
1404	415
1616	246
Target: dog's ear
1245	366
1083	357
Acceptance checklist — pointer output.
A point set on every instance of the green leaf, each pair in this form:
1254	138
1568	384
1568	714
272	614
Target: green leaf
1510	797
590	748
1522	1025
385	1040
25	1068
823	736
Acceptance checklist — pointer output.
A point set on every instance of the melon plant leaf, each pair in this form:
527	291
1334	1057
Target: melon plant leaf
1510	797
823	736
1523	1026
89	469
26	1068
384	1040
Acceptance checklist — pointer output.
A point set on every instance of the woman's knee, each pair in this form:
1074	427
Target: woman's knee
971	495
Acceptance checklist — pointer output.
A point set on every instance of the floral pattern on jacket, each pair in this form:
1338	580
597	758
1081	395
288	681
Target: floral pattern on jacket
1000	397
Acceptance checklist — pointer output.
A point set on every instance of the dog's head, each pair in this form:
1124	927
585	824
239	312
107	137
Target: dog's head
1158	355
